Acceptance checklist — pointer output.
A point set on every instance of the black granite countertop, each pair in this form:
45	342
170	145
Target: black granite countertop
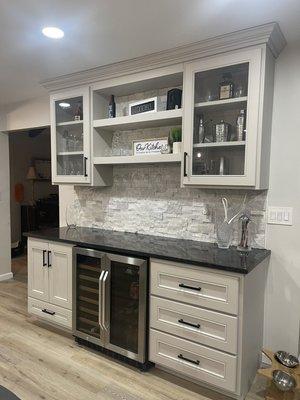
179	250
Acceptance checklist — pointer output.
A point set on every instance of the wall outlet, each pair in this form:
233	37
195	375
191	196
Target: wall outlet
280	215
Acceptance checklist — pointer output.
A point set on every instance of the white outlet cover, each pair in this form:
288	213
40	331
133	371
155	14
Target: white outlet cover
280	215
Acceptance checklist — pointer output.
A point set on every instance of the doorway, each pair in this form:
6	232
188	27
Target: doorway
34	202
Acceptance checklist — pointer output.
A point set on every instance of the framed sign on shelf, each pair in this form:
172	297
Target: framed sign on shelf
150	146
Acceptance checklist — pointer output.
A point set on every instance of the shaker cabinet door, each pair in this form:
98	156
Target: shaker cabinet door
38	270
60	275
70	136
220	121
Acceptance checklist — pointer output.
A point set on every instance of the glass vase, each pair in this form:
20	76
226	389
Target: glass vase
224	232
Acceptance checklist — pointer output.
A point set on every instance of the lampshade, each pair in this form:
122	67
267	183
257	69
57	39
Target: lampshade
31	173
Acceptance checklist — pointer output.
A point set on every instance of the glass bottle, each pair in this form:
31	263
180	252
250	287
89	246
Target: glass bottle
201	131
222	131
240	126
78	115
111	107
226	87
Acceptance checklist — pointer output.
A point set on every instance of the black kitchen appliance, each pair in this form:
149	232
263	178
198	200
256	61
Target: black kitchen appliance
174	98
110	302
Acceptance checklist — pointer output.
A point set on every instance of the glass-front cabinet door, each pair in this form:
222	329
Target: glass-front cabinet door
221	111
70	137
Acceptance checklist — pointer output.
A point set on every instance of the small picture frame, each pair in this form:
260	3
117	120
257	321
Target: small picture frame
150	146
143	106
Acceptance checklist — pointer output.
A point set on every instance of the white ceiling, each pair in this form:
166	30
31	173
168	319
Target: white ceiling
98	32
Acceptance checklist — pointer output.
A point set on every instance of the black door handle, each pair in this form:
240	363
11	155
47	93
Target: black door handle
49	263
44	261
185	154
188	360
181	321
182	285
48	312
85	166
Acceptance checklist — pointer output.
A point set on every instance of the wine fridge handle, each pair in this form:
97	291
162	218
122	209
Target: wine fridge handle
100	316
103	304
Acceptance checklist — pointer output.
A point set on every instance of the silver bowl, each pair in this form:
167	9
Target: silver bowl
283	380
286	359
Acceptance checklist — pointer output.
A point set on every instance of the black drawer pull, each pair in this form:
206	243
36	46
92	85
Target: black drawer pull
85	166
184	163
182	285
48	312
44	261
49	262
188	360
181	321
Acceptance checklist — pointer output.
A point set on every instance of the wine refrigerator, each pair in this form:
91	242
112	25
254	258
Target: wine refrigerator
110	302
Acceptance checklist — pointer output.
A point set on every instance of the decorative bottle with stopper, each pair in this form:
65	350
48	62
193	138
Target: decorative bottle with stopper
244	238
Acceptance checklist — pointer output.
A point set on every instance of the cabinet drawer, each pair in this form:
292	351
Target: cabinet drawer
195	286
193	360
54	314
193	323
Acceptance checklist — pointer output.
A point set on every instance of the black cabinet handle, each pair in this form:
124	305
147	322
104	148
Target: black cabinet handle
184	163
44	258
49	262
188	360
85	166
181	321
182	285
48	312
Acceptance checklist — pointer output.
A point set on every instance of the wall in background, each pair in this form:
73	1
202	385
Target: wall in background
5	251
283	291
27	114
36	147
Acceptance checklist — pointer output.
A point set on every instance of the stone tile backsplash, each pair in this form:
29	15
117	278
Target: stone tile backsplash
148	199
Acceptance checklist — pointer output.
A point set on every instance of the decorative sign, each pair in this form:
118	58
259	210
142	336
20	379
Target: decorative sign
143	106
152	146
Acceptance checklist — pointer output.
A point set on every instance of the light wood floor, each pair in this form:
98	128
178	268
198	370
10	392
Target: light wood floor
40	362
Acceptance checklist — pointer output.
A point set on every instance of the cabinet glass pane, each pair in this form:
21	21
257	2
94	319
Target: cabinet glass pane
69	136
87	302
220	110
124	313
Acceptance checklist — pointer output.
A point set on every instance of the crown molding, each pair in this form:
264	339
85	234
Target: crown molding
268	34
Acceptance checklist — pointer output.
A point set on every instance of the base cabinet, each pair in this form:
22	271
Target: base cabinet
206	325
50	281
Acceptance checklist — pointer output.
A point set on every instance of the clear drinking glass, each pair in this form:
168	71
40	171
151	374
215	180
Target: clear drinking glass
72	215
224	233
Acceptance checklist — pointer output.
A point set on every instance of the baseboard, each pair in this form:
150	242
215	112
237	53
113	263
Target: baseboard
5	277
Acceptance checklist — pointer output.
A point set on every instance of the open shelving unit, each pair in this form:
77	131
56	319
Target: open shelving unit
141	126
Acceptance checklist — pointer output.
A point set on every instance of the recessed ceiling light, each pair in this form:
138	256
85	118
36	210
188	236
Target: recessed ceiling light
53	32
64	105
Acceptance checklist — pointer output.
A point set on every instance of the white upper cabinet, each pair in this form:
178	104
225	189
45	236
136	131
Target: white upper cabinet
70	136
226	113
223	120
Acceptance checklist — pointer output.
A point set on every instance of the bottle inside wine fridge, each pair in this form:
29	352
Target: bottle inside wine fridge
110	302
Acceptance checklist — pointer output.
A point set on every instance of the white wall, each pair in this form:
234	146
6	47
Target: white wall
282	313
5	248
27	114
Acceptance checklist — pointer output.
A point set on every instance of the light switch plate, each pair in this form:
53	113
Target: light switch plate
280	215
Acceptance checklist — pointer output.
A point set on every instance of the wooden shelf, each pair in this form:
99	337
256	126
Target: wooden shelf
219	144
70	153
144	120
143	159
70	123
220	102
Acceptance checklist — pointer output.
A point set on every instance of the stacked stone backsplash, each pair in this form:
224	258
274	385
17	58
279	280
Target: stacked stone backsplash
148	199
